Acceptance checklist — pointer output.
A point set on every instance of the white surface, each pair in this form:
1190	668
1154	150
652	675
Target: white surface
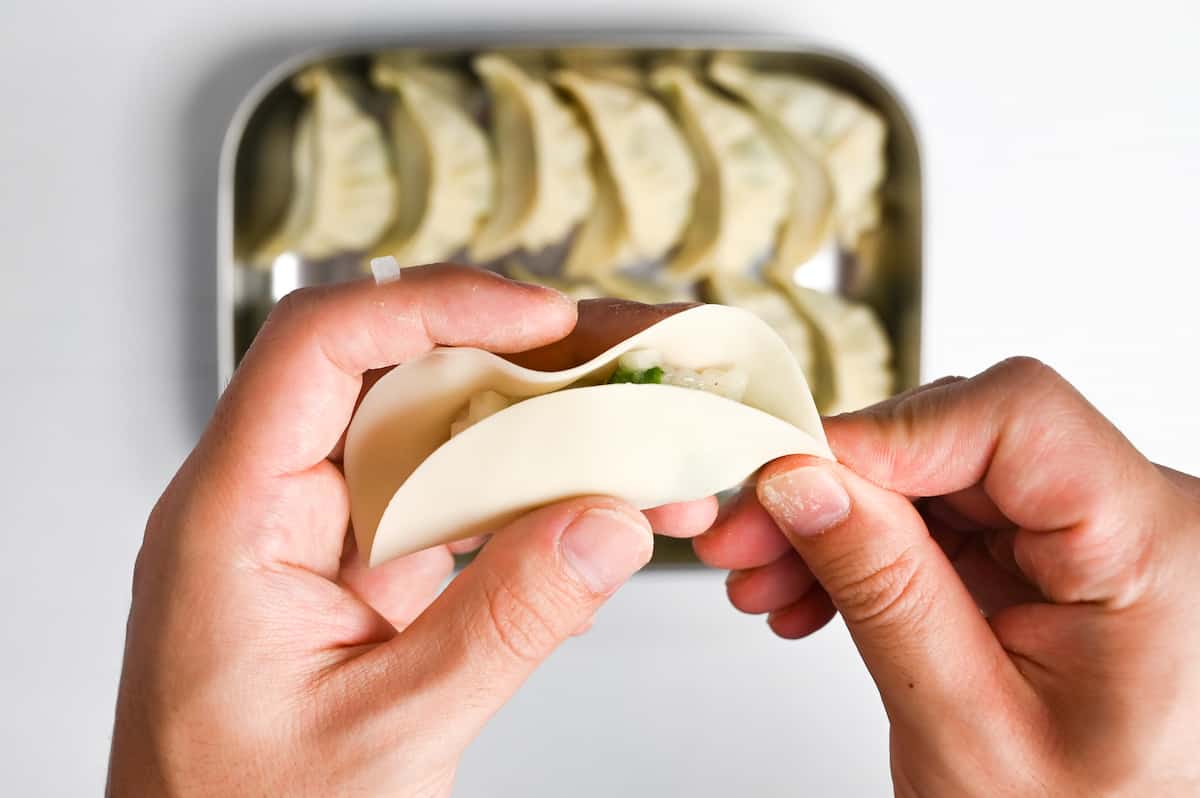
1062	153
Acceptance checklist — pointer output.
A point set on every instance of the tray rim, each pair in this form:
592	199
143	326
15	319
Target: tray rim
611	38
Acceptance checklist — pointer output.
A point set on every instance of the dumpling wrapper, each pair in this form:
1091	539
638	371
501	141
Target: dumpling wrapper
744	183
772	306
443	163
848	136
411	486
543	186
344	194
645	182
853	353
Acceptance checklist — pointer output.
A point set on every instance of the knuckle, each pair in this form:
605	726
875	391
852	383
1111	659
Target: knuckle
522	627
887	594
1030	372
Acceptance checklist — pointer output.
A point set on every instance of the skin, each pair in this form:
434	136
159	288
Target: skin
1018	578
258	644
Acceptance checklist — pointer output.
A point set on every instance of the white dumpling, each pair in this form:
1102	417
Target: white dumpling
344	193
772	306
853	354
646	178
601	245
443	164
744	184
848	136
544	186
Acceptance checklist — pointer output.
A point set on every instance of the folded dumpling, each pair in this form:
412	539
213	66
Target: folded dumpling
645	177
744	184
443	164
344	194
460	441
852	351
844	133
544	186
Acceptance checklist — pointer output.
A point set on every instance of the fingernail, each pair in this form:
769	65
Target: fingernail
605	547
805	501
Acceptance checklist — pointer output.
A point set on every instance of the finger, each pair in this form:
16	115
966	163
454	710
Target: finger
294	392
538	581
970	510
744	536
803	617
684	519
919	632
468	545
603	323
399	589
1045	457
769	587
369	378
992	586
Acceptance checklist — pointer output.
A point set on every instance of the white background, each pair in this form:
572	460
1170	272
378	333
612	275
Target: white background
1062	155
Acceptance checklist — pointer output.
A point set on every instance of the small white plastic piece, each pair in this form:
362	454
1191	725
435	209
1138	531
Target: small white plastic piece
385	269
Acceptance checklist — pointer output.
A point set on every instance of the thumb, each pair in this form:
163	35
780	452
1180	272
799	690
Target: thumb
929	649
535	583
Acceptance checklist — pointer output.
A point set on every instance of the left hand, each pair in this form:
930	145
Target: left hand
262	657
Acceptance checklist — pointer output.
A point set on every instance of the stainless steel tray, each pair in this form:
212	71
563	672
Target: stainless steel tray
885	272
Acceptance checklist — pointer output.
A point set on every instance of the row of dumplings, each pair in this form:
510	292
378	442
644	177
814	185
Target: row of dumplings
715	166
706	167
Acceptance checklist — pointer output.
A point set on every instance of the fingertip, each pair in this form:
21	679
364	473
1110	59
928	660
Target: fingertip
807	615
769	587
683	519
743	536
468	545
605	544
790	463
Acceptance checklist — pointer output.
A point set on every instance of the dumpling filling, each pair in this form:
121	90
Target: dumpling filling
640	367
645	366
482	405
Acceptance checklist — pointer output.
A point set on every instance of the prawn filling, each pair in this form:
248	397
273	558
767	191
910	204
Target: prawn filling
638	367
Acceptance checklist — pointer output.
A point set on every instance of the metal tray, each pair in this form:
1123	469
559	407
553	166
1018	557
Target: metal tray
885	272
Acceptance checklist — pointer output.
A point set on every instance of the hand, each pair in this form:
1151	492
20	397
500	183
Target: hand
262	658
1030	621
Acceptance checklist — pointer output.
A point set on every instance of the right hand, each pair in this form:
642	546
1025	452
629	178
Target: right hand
1031	621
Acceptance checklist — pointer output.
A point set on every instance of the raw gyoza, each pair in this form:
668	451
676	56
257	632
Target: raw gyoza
412	485
443	164
853	354
543	186
344	193
744	184
844	133
645	177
